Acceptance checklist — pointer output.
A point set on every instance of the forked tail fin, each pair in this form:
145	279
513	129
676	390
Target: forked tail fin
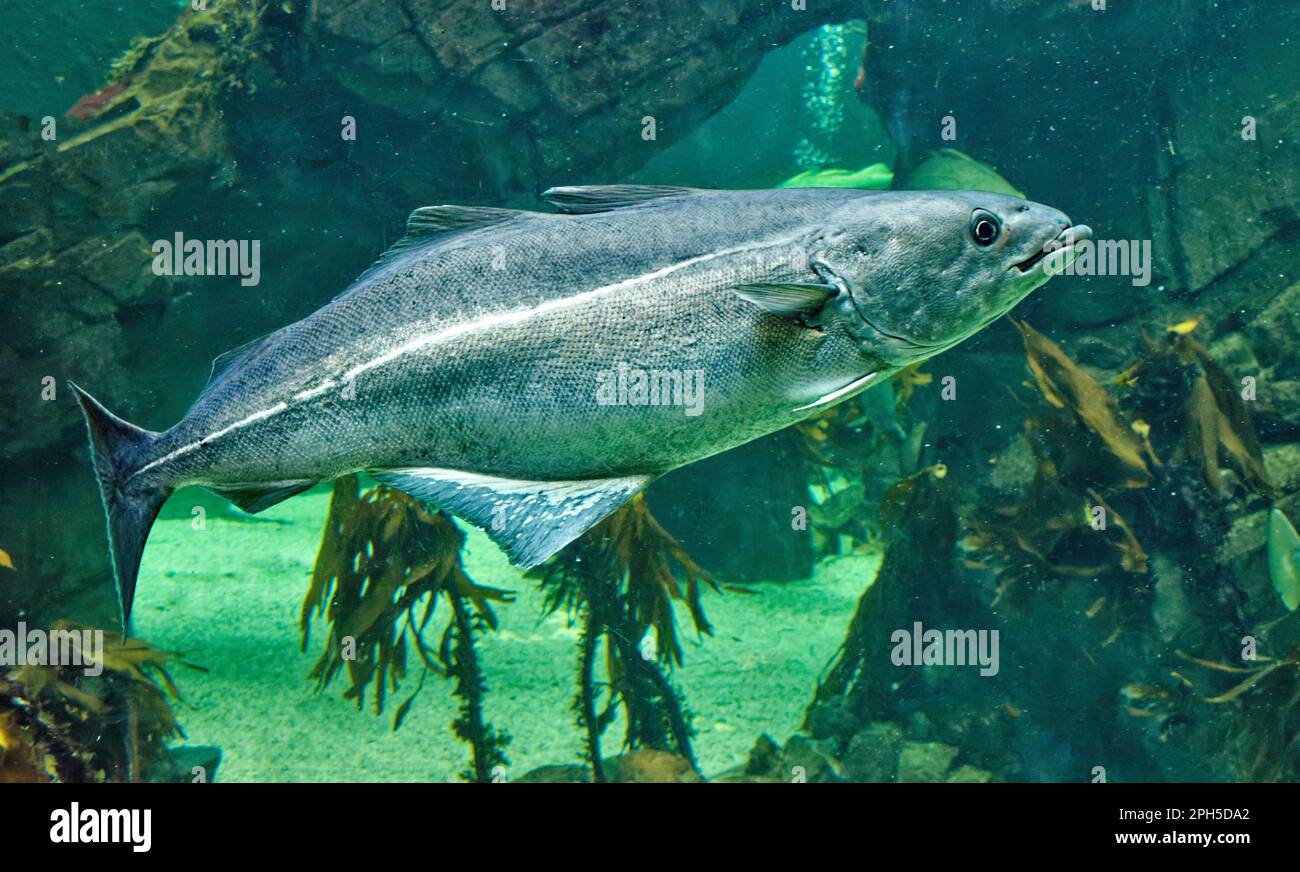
119	449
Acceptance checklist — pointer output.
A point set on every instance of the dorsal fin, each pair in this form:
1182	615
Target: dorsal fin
431	220
428	223
585	199
222	363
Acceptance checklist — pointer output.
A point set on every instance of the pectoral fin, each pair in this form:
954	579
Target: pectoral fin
802	300
530	520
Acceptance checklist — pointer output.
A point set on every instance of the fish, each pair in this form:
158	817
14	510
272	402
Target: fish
1284	559
527	371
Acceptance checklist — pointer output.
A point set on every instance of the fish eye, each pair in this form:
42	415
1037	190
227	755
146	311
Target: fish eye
984	227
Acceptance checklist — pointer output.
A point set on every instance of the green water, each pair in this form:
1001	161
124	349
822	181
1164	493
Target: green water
1162	398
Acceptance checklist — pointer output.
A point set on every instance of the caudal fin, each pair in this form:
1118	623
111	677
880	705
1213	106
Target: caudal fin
119	449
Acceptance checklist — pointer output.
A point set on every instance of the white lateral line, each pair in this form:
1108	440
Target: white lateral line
185	449
504	318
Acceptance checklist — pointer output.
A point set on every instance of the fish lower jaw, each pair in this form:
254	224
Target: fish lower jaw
1056	255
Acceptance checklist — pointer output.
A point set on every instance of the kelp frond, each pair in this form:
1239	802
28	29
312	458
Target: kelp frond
1265	736
620	580
632	546
58	723
383	558
1064	385
1209	422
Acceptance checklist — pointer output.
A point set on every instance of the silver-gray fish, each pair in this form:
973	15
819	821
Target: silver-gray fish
530	372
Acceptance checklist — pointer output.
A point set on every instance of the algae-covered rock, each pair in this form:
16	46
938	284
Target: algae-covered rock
1276	408
806	759
1274	330
951	170
1014	470
873	753
567	84
1243	554
563	773
1233	352
1282	462
967	774
1171	608
649	766
129	164
876	177
925	762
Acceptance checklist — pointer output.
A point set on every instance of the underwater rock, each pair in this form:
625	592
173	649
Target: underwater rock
1014	471
1244	554
806	759
1273	332
831	719
764	758
560	773
1245	536
924	762
1177	176
1282	462
76	216
948	169
1171	609
1277	409
557	84
650	766
1233	352
188	764
967	774
873	753
1219	220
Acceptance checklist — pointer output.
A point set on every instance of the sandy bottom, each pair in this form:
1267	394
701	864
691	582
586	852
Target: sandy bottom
227	597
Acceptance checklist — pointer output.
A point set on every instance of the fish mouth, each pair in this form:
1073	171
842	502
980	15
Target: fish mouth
1063	246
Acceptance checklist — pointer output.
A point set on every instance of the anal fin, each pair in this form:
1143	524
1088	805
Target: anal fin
530	520
254	498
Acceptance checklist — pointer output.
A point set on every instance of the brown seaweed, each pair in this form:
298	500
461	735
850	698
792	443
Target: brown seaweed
620	581
1265	737
1215	424
384	562
58	724
1065	386
1088	453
